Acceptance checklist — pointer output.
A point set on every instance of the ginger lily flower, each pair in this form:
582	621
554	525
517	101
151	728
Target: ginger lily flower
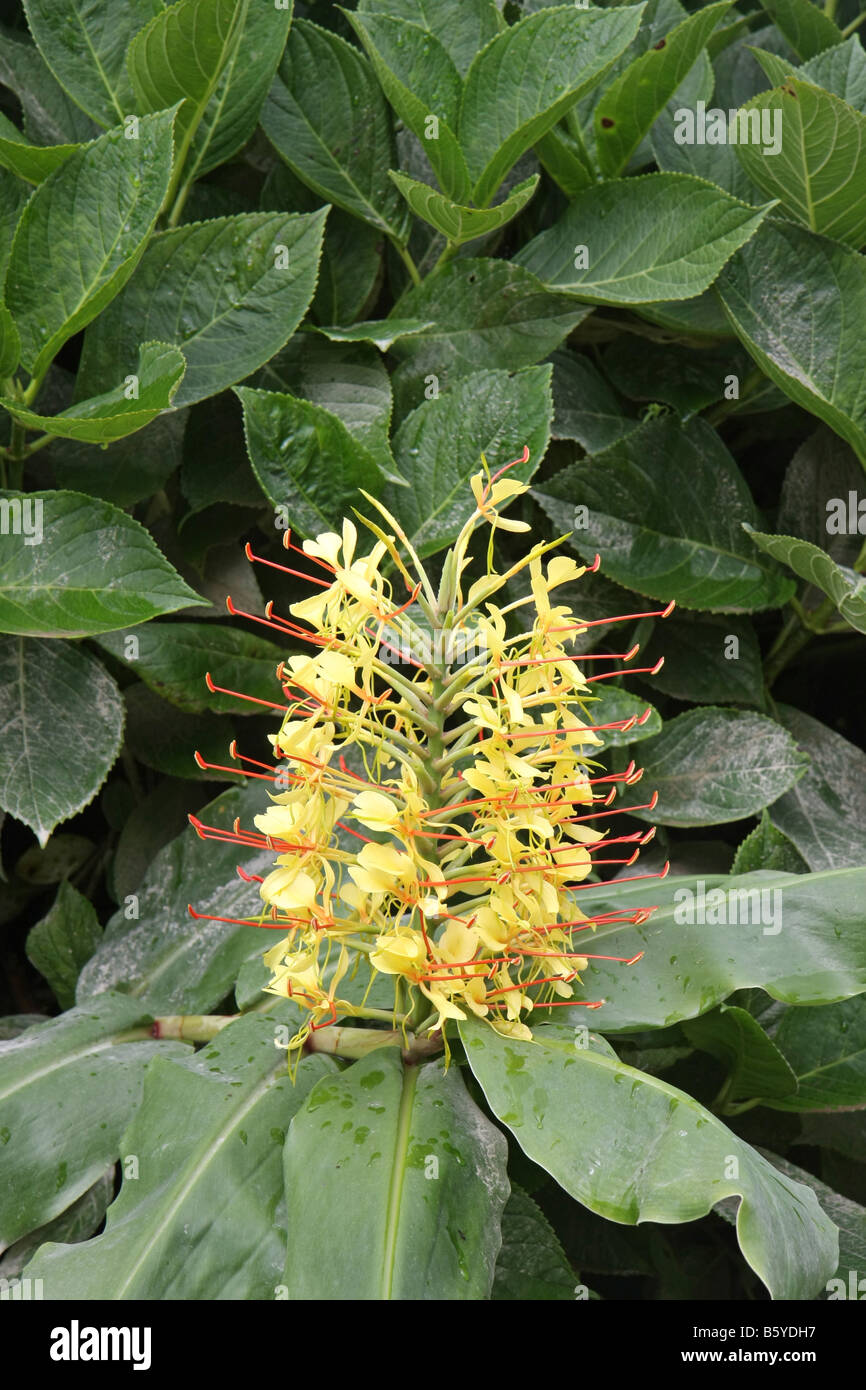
438	810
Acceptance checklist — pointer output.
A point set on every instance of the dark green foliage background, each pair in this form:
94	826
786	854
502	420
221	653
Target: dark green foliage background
299	325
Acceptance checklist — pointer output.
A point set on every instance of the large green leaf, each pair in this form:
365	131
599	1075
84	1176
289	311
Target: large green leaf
825	813
797	301
420	81
460	224
715	765
140	397
461	26
229	293
642	240
174	661
438	448
63	941
849	1216
63	270
197	1221
68	1088
409	1191
306	459
629	106
151	948
326	116
821	162
84	43
219	58
527	77
486	313
632	1148
664	507
54	697
98	571
844	586
800	937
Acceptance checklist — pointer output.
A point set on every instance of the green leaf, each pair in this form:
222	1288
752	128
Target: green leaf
799	936
531	1265
826	1049
59	275
31	162
460	224
841	70
382	333
805	25
664	507
198	1220
49	115
305	459
102	419
796	301
825	814
347	378
820	163
642	240
439	446
632	1148
68	1088
63	941
421	82
100	571
754	1064
229	293
767	848
151	950
174	659
710	766
75	1224
219	58
708	660
461	26
566	51
849	1216
585	407
10	343
327	118
416	1167
54	696
680	377
483	311
84	43
629	106
844	586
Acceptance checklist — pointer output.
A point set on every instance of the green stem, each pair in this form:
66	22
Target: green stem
405	256
830	8
795	635
855	24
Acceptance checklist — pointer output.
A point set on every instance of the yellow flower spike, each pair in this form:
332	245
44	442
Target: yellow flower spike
436	805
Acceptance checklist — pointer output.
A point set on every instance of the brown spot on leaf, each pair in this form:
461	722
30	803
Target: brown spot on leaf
606	122
661	43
